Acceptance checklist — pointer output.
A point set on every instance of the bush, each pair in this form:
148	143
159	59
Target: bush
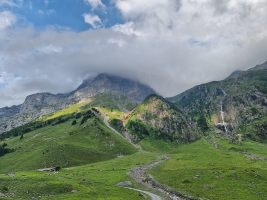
87	115
202	123
4	149
117	124
4	189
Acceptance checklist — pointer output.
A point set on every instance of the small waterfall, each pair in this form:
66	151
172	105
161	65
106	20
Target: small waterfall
222	118
222	112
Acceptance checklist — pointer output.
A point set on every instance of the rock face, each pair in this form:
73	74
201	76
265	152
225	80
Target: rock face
157	118
105	83
40	104
240	101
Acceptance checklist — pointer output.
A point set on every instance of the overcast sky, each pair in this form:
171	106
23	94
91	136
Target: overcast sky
171	45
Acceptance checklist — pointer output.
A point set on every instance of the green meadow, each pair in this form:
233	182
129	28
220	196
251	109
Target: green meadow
216	169
94	159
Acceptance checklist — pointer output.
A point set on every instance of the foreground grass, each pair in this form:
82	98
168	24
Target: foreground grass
207	169
216	169
93	181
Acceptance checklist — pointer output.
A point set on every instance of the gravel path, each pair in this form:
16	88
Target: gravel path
141	176
151	195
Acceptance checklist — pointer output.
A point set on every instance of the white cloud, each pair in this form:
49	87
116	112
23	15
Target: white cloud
212	21
127	29
7	19
171	45
118	42
92	20
48	49
95	4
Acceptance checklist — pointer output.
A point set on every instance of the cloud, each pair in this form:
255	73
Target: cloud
92	20
49	49
95	4
127	29
7	3
171	45
7	19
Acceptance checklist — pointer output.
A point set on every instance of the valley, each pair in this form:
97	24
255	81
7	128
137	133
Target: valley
115	138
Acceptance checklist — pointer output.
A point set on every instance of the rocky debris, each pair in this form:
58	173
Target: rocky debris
254	156
50	169
125	184
141	176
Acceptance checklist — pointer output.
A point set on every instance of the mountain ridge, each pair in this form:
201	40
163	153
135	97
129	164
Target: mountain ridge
39	104
241	99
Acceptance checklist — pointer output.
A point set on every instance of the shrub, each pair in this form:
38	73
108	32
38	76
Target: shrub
74	122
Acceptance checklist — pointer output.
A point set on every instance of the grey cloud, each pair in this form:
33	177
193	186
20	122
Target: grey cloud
156	54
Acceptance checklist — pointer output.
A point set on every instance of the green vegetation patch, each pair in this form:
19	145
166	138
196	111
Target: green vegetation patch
213	169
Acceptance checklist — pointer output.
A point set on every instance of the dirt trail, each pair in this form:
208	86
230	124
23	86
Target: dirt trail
150	194
141	176
124	136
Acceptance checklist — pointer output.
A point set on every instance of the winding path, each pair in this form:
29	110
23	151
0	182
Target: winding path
105	120
151	195
140	175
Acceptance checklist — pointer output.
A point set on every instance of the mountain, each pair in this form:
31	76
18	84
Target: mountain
105	83
93	158
103	86
158	118
235	105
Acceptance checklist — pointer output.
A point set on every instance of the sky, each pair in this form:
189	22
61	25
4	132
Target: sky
171	45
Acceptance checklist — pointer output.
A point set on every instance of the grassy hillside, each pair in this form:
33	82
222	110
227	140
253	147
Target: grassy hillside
215	169
157	118
64	145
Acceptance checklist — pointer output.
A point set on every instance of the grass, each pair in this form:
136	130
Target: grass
210	168
226	172
64	145
94	181
112	113
66	111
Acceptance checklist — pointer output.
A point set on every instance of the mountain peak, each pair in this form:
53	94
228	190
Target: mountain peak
100	77
108	83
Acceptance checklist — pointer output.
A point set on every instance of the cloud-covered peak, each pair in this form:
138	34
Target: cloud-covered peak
170	45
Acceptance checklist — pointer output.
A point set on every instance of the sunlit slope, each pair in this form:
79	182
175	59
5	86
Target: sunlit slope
76	141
